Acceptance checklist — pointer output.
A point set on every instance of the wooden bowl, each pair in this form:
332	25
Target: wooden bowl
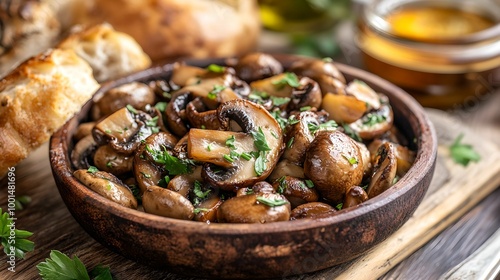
251	250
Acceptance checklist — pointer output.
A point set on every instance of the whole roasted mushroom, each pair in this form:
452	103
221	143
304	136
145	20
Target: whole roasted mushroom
334	164
238	159
324	72
354	196
296	190
107	159
374	124
254	208
82	154
257	66
107	185
307	94
286	168
312	210
138	95
167	203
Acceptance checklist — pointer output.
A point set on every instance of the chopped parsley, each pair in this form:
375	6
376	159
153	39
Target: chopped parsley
216	68
277	101
246	156
198	192
271	202
260	141
228	158
305	108
209	147
131	109
230	142
351	160
372	119
215	91
260	163
313	128
351	133
173	164
197	211
289	79
152	122
339	206
161	106
309	184
289	144
282	184
92	169
463	153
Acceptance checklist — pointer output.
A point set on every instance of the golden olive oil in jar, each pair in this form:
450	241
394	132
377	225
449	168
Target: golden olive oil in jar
442	52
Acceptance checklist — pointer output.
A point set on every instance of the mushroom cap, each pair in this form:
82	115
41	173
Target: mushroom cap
334	163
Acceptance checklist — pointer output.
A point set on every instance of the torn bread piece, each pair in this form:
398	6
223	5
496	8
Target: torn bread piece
110	53
37	98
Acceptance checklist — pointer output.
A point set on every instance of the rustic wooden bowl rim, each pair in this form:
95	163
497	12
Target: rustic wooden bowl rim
425	158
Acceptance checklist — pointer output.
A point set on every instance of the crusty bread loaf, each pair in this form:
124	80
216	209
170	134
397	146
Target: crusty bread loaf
37	98
27	28
110	53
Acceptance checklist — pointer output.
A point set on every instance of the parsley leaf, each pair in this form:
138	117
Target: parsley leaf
216	68
230	142
351	160
463	153
277	101
260	141
305	108
351	133
216	90
161	106
260	163
313	128
20	244
372	119
174	165
309	184
288	79
271	202
92	169
339	206
131	109
196	211
198	192
60	266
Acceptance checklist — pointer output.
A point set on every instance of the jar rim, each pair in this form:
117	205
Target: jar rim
374	14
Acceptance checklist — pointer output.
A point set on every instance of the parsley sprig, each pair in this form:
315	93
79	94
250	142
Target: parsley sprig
173	164
60	266
262	146
463	153
289	79
19	243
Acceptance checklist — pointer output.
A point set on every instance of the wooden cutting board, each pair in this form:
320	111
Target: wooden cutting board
454	190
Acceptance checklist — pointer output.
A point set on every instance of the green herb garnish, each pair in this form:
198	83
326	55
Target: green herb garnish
198	192
277	101
161	106
282	185
351	160
339	206
230	142
16	243
260	163
260	141
216	90
289	144
197	211
305	108
228	158
174	165
131	109
216	68
289	79
60	266
372	119
313	128
309	184
246	156
351	133
92	169
463	153
271	202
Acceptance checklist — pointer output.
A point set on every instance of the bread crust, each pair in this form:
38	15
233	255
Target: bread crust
37	98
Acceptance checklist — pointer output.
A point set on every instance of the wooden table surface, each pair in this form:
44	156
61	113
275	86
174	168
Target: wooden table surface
55	229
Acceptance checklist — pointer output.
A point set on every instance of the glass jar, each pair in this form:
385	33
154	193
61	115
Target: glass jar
440	51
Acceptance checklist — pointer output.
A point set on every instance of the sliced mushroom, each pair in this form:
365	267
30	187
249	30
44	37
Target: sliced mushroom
343	108
286	168
123	130
250	209
83	130
175	113
354	196
258	126
329	78
333	162
199	117
135	94
181	148
147	172
385	168
83	153
182	73
167	203
257	66
276	85
307	94
297	191
184	183
299	137
107	159
206	211
361	91
405	157
312	210
108	186
374	124
163	89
